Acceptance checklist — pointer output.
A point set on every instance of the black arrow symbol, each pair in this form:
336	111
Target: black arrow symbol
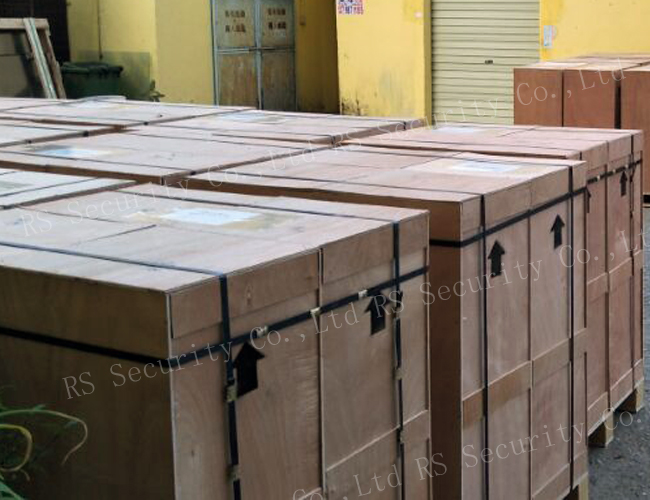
377	313
496	254
624	180
556	229
246	366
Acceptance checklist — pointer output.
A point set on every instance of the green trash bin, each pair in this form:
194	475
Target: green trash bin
87	79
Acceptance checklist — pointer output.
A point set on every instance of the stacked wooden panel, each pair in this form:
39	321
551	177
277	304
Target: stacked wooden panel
302	127
143	157
115	112
614	248
220	344
501	340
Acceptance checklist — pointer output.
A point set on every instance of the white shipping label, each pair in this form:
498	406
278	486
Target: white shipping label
477	166
213	217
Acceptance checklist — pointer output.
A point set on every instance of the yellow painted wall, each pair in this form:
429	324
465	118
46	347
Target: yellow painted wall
316	56
121	32
382	57
184	48
585	26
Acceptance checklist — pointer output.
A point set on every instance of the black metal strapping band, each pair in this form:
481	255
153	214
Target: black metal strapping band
510	222
398	357
193	356
486	357
572	309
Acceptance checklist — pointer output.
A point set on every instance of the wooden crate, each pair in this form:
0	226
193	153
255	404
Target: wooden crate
614	269
480	208
144	157
319	393
21	189
302	127
635	111
116	112
14	132
578	92
539	93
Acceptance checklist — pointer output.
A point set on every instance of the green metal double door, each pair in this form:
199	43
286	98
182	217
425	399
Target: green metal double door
255	53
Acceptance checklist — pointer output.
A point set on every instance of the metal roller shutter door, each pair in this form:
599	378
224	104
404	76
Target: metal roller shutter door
475	46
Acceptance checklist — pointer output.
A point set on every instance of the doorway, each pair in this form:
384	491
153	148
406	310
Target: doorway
255	54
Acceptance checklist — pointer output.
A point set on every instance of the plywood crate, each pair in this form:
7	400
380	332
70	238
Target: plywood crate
512	331
116	112
14	132
635	111
577	92
258	311
614	223
21	189
142	157
285	126
600	90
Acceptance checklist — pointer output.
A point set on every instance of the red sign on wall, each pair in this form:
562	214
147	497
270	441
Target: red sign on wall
350	7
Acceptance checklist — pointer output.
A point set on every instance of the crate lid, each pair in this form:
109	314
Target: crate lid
450	186
140	269
286	126
144	158
595	146
116	112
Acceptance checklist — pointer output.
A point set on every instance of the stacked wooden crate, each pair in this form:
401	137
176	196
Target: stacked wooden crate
113	111
614	238
270	249
599	90
501	340
142	157
294	127
220	344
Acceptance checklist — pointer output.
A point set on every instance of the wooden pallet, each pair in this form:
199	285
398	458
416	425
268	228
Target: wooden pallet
603	435
581	491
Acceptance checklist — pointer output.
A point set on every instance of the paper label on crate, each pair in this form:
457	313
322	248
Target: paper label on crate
477	166
71	152
212	217
11	186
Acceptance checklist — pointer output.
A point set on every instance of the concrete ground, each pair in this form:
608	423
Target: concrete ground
622	471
